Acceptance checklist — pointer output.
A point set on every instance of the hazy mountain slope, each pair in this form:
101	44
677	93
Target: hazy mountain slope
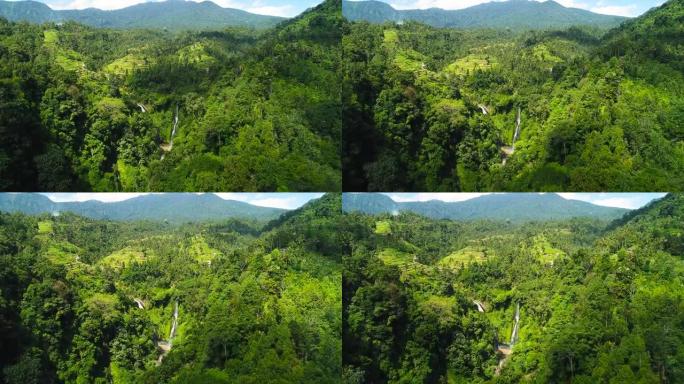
32	11
515	14
157	207
514	207
171	14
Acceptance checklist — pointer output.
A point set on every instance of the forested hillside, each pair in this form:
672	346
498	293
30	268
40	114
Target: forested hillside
170	207
464	110
167	14
509	14
129	110
500	206
85	301
572	301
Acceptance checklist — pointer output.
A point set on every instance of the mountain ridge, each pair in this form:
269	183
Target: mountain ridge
513	207
169	14
514	14
154	207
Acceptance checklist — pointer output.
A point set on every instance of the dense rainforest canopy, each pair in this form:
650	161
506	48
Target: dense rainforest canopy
237	301
435	301
135	110
463	110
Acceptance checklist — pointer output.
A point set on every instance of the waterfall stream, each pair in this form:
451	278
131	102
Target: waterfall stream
166	345
168	147
517	130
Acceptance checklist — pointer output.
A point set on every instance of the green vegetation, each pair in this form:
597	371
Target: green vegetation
383	227
88	301
463	257
512	14
429	109
599	301
167	15
95	109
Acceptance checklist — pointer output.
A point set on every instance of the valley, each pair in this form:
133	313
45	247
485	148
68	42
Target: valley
223	108
223	301
580	300
555	108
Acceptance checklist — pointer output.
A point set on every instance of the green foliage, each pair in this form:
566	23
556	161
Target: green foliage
249	310
436	109
519	15
599	302
172	15
94	109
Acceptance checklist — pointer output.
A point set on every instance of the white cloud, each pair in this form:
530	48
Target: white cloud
444	4
573	4
276	202
104	197
273	200
227	3
283	10
262	7
448	197
100	4
617	10
619	200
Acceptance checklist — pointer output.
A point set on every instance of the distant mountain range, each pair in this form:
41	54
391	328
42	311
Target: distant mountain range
509	206
172	207
170	14
513	14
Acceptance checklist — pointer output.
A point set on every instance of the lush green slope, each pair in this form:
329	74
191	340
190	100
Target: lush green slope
513	207
169	14
513	14
85	301
93	109
435	301
437	109
171	207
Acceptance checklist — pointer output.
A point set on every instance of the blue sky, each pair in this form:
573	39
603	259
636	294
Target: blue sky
622	200
629	8
285	8
275	200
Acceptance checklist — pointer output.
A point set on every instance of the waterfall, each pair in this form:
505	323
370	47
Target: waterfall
172	334
480	308
166	346
517	129
514	334
175	124
168	148
140	303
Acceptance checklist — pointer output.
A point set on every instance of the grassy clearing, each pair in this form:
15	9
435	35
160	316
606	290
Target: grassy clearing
68	59
126	65
409	60
201	251
383	227
471	63
62	253
51	37
123	258
464	257
391	256
45	227
196	54
544	251
391	37
542	53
